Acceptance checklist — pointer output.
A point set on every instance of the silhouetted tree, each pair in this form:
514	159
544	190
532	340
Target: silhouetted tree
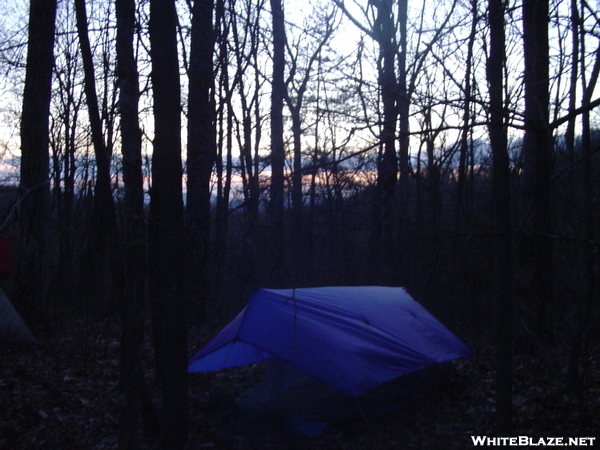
537	154
167	235
585	305
201	146
69	101
277	143
32	281
131	382
382	31
103	253
300	73
387	172
502	218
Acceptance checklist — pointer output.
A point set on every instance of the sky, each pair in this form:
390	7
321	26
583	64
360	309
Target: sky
13	17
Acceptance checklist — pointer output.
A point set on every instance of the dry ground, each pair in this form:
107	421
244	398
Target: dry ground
62	395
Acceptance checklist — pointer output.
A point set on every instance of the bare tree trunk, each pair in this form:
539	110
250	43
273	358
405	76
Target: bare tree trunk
32	283
574	354
570	132
297	237
464	139
277	144
104	243
382	237
202	148
502	220
131	379
295	106
63	142
584	307
433	181
403	113
224	146
247	165
167	233
537	149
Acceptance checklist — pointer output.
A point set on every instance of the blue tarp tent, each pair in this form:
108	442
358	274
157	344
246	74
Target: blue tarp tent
352	338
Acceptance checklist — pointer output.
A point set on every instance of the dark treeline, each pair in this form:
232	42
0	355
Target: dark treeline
451	149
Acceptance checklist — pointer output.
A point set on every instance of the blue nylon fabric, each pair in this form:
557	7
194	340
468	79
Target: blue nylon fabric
352	338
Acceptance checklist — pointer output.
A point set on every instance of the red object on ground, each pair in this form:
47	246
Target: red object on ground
5	258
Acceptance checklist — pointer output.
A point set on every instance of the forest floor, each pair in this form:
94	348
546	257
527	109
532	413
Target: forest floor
63	394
